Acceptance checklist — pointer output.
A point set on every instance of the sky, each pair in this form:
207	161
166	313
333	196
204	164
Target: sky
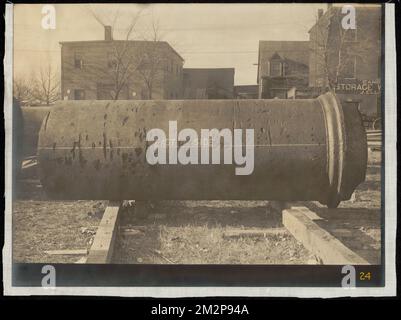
205	35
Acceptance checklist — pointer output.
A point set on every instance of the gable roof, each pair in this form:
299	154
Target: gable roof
297	51
275	56
137	42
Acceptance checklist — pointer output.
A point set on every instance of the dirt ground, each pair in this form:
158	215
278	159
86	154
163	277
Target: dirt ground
40	225
196	232
190	232
357	222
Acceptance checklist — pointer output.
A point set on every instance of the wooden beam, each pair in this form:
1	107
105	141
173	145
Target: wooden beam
102	247
237	233
29	164
329	249
67	252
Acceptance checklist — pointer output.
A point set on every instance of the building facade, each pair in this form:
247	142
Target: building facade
118	69
283	69
348	61
208	83
246	91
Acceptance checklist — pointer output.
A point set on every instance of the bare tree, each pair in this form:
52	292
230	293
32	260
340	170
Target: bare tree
336	49
22	90
123	60
151	67
46	87
129	61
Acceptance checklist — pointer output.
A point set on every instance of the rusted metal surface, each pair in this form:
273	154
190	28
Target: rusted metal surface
304	150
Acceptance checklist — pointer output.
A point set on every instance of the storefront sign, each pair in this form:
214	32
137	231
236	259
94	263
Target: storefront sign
359	87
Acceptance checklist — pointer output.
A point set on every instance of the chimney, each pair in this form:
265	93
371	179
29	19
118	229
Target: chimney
108	35
319	13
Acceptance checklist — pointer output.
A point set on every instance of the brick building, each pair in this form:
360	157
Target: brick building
117	69
208	83
354	71
283	69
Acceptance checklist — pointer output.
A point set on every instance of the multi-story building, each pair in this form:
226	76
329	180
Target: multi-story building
348	61
118	69
208	83
283	69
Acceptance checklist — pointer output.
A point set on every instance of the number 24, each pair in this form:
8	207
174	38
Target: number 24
365	276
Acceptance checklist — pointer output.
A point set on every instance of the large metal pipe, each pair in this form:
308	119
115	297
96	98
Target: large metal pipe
310	149
32	121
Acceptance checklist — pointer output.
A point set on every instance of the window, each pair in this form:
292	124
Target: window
79	94
78	61
275	69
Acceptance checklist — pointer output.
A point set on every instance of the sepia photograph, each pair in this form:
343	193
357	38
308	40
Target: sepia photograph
200	145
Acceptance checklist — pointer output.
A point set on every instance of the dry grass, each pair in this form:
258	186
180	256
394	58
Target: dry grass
182	232
205	244
189	232
51	225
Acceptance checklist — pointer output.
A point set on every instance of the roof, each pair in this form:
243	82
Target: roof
297	51
161	43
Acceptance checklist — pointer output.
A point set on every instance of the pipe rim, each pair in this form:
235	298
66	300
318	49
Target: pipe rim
336	145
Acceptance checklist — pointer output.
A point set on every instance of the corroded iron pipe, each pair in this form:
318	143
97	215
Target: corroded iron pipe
312	149
32	121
